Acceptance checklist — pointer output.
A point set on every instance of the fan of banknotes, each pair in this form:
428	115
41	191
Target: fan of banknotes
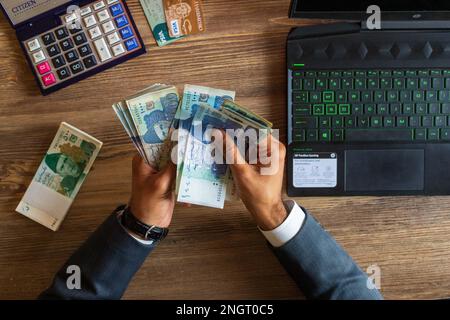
154	115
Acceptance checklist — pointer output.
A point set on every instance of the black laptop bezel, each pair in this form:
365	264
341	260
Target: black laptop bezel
359	15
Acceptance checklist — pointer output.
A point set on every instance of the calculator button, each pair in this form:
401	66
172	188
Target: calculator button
76	67
116	9
84	50
49	79
85	11
33	45
102	49
103	15
38	56
118	50
113	38
95	32
111	1
108	27
44	67
71	56
90	62
53	50
90	21
80	39
73	29
131	44
70	17
58	61
121	21
48	38
126	32
99	5
66	44
61	33
63	73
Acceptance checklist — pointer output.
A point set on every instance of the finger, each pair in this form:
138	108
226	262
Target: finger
234	157
168	173
141	168
269	149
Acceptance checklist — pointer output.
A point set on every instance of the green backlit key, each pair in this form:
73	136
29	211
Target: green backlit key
328	96
331	109
344	109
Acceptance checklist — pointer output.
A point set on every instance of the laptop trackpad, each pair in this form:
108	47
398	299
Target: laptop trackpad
380	170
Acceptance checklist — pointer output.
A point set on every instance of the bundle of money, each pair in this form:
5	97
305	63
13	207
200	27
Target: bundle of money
147	117
59	176
200	179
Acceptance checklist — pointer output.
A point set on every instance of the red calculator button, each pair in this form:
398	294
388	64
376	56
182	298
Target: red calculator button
49	79
44	67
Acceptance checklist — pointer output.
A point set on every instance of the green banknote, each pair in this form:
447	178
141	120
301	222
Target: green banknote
233	109
59	176
154	11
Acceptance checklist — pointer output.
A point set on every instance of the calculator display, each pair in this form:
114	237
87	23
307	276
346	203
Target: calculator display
21	10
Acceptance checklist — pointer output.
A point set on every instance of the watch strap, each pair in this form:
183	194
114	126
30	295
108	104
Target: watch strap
145	231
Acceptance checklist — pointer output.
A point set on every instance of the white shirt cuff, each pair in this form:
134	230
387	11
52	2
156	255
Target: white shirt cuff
289	228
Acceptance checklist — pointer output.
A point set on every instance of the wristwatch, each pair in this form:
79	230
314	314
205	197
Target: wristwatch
145	231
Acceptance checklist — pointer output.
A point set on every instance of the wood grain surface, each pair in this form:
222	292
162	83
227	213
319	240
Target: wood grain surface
210	254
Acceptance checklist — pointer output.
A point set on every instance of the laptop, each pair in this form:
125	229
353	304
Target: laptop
369	109
65	41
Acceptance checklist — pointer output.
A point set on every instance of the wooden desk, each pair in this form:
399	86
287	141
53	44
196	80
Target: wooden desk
210	254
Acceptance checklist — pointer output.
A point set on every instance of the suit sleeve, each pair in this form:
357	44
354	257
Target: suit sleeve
321	268
107	262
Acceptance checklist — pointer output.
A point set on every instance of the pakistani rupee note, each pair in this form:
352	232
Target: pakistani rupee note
130	129
147	117
193	96
203	181
152	114
59	176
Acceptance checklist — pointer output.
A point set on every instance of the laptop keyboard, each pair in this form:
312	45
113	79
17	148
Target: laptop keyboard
335	106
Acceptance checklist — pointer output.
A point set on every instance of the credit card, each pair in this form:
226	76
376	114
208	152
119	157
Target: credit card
184	17
154	12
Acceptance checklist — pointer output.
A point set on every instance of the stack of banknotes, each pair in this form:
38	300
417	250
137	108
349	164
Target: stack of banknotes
156	117
59	176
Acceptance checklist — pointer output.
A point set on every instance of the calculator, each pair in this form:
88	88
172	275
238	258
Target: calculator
66	41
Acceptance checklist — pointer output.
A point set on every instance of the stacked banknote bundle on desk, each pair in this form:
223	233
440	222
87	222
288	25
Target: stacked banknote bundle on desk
157	115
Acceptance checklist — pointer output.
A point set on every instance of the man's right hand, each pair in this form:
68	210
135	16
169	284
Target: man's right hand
260	193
